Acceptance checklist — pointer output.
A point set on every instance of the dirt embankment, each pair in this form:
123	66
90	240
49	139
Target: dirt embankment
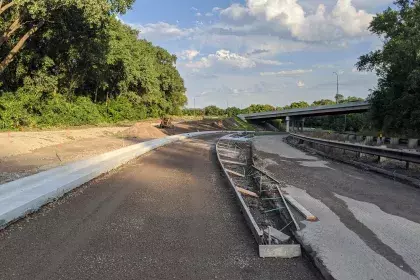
25	153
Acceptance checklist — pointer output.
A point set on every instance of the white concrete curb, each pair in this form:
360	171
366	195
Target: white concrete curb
28	194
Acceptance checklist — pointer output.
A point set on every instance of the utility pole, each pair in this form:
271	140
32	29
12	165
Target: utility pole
194	104
337	87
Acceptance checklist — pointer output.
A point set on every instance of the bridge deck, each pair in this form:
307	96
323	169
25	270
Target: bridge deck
338	109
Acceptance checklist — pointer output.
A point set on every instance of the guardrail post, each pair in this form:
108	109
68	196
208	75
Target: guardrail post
395	141
413	143
382	153
368	140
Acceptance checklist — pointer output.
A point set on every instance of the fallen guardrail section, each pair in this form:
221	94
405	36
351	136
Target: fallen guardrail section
21	197
266	209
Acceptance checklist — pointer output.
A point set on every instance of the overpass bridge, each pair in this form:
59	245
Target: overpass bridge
301	113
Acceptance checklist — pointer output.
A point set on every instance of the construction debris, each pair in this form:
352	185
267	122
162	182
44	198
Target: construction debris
276	234
235	173
246	192
234	162
280	251
262	200
301	209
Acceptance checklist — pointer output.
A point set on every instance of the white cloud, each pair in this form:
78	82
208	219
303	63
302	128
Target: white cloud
162	30
223	57
194	9
227	58
346	16
301	84
209	14
288	16
236	13
273	25
188	54
287	72
198	14
269	62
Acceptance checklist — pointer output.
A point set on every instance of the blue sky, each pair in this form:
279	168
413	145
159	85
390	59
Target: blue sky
242	52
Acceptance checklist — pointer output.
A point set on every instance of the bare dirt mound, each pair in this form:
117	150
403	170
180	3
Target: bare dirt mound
142	132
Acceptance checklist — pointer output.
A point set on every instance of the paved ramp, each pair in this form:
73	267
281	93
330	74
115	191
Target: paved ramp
369	226
167	215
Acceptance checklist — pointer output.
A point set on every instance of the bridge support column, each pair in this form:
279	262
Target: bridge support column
287	124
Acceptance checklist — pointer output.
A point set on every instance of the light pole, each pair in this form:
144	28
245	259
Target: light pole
194	104
337	87
336	100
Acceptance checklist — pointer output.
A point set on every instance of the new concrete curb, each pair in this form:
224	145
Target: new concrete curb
27	195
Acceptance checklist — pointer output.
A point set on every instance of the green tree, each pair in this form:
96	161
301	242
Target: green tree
323	102
396	99
339	98
82	60
258	108
352	122
233	111
213	111
297	105
352	99
21	19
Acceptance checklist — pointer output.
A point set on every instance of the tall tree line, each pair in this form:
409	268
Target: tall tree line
396	98
73	62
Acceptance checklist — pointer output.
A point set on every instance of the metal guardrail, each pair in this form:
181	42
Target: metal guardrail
413	157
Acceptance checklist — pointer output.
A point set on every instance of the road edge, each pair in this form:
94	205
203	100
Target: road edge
27	195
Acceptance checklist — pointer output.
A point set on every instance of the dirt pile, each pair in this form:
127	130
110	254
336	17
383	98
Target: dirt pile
142	132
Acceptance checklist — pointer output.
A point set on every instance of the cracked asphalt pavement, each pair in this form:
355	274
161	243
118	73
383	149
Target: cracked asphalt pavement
167	215
369	225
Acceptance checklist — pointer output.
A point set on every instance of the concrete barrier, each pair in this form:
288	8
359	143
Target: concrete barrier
28	194
413	143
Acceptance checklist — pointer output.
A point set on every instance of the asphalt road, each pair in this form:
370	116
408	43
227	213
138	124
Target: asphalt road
167	215
369	225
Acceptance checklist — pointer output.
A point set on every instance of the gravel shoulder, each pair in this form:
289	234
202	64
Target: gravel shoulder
167	215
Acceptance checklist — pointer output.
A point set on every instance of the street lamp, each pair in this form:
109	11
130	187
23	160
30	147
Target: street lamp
336	100
194	103
337	87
